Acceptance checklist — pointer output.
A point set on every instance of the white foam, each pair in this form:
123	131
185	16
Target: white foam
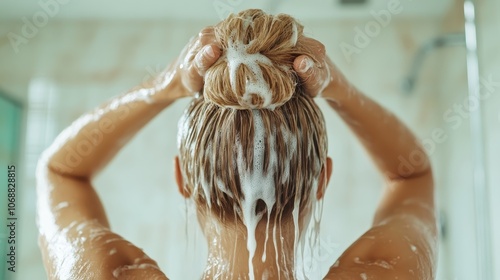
98	233
256	183
247	21
61	205
379	263
267	235
328	79
309	64
205	186
81	226
237	55
265	275
413	248
295	35
309	240
292	149
223	188
112	240
119	270
358	261
295	215
276	252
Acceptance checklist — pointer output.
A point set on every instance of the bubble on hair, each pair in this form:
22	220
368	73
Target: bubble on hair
295	35
253	139
255	70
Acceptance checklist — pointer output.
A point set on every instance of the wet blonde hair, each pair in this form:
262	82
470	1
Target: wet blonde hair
220	123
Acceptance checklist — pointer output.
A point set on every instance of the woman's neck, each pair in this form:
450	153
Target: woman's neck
228	256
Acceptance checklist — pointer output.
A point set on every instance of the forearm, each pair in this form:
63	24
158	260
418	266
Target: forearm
90	142
70	214
74	231
390	143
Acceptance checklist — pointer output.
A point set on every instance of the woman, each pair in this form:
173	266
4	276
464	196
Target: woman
252	158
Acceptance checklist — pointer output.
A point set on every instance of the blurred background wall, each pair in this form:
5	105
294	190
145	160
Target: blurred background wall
84	55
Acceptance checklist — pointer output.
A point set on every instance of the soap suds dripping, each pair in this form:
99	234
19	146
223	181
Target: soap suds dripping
256	183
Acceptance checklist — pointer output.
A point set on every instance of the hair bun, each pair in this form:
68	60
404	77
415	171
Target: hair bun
255	70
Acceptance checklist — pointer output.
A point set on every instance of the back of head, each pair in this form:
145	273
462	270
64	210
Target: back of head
252	145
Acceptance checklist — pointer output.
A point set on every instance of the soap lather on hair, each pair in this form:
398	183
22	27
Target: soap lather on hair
255	70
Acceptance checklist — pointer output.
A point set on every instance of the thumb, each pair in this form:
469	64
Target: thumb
304	66
308	73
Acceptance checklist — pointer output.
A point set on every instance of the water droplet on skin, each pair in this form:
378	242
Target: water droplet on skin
119	270
61	205
81	226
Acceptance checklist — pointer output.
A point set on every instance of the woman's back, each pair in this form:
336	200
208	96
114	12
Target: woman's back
253	159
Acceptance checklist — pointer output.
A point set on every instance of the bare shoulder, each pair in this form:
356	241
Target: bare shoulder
124	260
401	248
402	242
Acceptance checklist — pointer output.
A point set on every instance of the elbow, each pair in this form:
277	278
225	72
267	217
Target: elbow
49	162
417	164
43	163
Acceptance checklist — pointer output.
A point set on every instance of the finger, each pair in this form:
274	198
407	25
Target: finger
317	48
207	36
309	73
206	58
203	60
303	64
206	30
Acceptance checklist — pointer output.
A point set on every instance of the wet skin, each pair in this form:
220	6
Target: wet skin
75	238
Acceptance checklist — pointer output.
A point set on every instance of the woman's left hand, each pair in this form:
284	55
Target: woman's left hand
184	77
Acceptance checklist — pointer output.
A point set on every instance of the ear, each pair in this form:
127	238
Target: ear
179	180
324	178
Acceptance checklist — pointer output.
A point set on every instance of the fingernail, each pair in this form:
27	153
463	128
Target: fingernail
208	50
306	64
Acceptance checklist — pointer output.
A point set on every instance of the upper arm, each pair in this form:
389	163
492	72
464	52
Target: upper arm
75	238
414	196
403	240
